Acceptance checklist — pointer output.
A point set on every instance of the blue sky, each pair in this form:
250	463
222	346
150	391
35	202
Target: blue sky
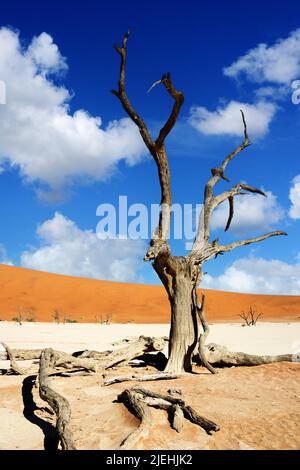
58	163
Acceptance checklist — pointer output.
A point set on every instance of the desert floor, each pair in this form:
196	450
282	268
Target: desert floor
255	407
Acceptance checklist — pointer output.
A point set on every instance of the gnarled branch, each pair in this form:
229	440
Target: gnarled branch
203	336
158	243
222	249
203	231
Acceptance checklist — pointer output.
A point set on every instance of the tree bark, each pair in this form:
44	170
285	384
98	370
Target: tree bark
184	327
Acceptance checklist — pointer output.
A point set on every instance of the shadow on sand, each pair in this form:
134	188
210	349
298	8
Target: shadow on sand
50	434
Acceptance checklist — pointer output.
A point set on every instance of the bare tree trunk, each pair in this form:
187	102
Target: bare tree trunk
184	328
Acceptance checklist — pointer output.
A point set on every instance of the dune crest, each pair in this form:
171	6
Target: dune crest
87	300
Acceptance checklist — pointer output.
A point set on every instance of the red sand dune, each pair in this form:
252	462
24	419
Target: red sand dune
86	300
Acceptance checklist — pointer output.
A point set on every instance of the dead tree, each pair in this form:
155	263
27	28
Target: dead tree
251	317
181	275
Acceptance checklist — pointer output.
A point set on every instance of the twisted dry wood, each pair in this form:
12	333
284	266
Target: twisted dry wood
139	409
138	399
177	418
57	402
203	336
96	360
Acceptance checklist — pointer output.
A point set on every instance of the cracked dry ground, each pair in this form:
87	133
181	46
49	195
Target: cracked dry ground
255	407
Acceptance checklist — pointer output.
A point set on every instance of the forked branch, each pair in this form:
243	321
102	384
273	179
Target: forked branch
203	231
202	250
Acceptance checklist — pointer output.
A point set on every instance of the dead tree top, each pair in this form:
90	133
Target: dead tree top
202	249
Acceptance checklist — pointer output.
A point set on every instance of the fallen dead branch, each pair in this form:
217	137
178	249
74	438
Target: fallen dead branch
14	368
133	349
56	401
67	361
21	354
142	378
75	373
222	357
137	400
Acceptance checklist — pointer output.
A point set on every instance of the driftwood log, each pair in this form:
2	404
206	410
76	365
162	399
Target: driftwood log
137	400
57	402
142	378
21	354
14	368
133	349
67	361
222	357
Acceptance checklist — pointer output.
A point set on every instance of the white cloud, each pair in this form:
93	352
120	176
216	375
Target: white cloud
46	54
294	196
227	119
258	276
4	259
252	212
66	249
279	63
39	134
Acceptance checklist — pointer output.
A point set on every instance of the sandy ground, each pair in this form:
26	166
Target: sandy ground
38	294
256	407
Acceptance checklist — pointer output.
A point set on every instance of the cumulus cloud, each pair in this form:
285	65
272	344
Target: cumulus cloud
258	276
294	196
279	63
39	135
252	213
66	249
226	120
271	68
